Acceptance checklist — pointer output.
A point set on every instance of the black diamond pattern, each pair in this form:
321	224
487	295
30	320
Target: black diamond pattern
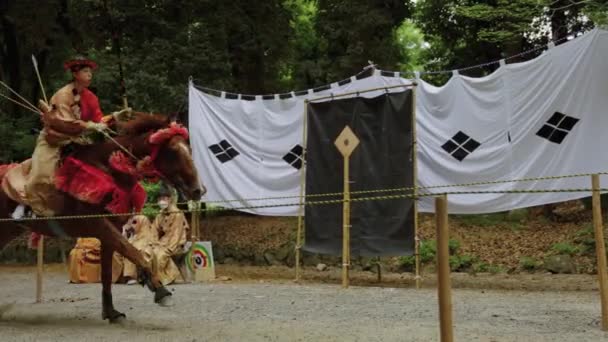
557	127
555	118
471	145
460	138
460	146
449	146
545	131
460	154
567	123
558	136
294	157
223	151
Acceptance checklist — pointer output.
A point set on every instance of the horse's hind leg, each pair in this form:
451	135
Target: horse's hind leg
108	311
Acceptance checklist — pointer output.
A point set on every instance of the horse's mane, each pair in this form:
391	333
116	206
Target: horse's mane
142	123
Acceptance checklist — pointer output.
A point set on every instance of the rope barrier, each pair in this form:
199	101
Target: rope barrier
310	203
332	194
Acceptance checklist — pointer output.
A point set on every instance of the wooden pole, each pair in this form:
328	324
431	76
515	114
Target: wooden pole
195	221
302	183
358	92
346	143
415	182
443	269
600	249
346	225
40	252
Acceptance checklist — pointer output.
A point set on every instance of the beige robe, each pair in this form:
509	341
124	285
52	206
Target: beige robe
171	225
141	235
62	125
85	262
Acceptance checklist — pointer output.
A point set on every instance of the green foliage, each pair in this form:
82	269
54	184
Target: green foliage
485	220
564	248
150	207
585	240
453	246
461	262
464	33
428	253
354	32
410	41
597	11
529	263
407	263
427	250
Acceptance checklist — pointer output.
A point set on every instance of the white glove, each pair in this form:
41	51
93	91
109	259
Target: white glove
122	114
97	126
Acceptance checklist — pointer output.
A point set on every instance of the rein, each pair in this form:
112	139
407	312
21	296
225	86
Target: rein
144	168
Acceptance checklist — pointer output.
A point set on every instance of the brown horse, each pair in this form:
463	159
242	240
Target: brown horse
173	163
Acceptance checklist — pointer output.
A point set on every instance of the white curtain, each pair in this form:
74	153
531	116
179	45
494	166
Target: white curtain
544	117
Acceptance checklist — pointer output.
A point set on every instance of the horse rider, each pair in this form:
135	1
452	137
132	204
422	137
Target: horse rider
72	111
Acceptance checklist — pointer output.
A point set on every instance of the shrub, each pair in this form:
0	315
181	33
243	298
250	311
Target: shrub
428	250
453	246
461	262
564	248
529	263
407	263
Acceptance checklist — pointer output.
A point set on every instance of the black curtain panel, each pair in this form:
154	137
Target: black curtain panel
383	160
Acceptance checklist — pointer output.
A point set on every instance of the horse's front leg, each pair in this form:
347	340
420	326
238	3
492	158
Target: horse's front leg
148	273
108	311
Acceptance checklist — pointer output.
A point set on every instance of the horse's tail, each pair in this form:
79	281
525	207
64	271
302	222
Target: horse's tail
5	168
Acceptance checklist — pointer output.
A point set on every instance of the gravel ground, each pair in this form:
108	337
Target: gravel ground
254	311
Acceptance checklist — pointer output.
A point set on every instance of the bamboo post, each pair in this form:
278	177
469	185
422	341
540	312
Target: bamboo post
302	182
600	249
346	143
346	225
415	181
443	269
40	253
195	221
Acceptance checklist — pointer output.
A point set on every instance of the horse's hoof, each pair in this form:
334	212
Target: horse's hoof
120	319
115	317
166	301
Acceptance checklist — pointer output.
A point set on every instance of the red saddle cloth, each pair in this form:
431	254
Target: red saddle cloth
89	184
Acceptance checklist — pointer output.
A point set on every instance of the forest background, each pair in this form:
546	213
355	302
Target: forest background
147	49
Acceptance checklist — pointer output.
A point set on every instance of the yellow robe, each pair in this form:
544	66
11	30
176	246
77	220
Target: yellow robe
141	235
62	125
171	225
85	262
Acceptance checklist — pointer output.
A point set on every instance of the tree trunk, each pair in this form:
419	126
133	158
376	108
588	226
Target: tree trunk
10	60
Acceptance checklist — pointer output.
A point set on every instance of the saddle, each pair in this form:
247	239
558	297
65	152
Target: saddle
15	176
84	182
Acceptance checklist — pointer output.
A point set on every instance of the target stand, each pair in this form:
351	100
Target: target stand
199	262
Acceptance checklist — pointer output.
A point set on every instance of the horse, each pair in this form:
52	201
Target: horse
171	159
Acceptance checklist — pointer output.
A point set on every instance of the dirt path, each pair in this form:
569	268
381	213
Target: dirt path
252	309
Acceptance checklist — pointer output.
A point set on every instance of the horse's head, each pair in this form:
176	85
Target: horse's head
171	154
175	164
